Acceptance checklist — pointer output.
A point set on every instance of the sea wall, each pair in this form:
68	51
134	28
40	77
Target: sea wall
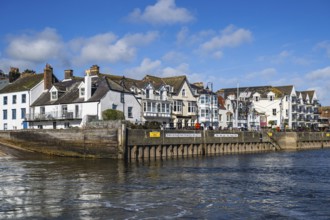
104	140
301	140
89	142
144	144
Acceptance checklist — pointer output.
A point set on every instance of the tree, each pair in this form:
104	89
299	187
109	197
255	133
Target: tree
111	114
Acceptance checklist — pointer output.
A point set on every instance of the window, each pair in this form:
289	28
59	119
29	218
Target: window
39	126
147	93
114	107
191	107
14	99
271	98
130	112
162	95
228	106
5	100
66	125
202	99
144	107
23	98
5	126
149	107
287	112
256	98
177	106
23	113
203	113
13	114
5	116
274	111
122	97
183	93
286	98
42	110
82	92
220	117
54	95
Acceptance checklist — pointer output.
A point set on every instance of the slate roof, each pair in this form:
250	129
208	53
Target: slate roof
262	90
175	81
70	91
23	83
285	89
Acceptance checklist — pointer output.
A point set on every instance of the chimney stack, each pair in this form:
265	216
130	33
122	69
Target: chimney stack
94	70
88	85
13	74
48	77
68	74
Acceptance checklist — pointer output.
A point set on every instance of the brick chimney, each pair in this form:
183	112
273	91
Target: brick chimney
48	77
13	74
68	74
94	70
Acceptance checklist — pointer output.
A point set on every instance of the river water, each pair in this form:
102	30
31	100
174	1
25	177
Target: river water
279	185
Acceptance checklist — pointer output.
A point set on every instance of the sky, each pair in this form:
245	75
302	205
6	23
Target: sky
223	43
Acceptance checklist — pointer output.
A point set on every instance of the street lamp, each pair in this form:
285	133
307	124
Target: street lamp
207	88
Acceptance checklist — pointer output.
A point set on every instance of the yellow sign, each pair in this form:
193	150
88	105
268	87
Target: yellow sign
154	134
270	134
328	134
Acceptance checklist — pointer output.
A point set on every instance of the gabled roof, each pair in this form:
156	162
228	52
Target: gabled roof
286	90
70	91
262	90
176	81
23	83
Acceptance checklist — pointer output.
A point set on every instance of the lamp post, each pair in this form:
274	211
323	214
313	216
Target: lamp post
207	87
122	95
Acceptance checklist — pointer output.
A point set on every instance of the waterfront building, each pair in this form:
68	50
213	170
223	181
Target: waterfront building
268	106
179	96
207	105
324	118
17	97
76	100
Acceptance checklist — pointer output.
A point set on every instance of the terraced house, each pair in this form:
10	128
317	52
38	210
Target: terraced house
76	100
267	106
17	97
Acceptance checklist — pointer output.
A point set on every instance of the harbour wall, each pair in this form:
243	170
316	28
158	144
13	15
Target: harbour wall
117	142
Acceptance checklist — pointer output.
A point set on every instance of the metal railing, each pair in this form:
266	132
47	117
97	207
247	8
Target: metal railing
49	116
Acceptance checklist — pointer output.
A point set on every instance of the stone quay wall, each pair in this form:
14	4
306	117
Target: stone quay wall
144	144
88	142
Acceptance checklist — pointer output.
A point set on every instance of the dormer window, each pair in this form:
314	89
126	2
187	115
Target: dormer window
147	93
82	92
271	98
54	95
256	98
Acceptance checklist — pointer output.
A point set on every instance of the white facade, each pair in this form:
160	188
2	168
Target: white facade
16	105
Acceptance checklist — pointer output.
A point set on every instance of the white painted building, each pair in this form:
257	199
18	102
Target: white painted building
76	100
17	97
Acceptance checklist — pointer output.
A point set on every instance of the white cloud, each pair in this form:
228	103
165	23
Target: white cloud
108	48
174	57
285	56
163	12
182	35
218	54
147	66
229	37
36	47
319	74
263	74
324	45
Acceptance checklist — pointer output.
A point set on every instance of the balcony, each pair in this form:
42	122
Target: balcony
53	116
156	115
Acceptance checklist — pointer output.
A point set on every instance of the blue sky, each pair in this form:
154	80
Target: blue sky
250	43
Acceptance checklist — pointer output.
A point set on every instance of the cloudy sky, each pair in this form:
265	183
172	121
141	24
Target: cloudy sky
250	43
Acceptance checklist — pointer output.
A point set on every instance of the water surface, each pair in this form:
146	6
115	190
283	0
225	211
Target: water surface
280	185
